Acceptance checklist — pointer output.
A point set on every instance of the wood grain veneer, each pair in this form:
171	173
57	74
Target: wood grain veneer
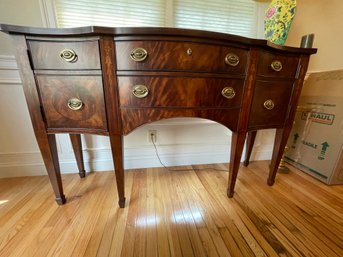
173	56
184	72
55	91
46	55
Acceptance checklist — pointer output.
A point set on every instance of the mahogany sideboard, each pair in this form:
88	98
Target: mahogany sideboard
109	81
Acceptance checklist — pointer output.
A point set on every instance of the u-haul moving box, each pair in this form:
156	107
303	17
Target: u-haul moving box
316	140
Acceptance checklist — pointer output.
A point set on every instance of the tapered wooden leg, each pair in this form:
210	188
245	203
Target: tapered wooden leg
237	144
281	137
117	154
249	146
47	145
77	147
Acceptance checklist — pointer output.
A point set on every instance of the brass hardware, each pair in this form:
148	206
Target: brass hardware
75	104
140	91
276	65
231	59
139	54
68	55
189	51
228	92
269	104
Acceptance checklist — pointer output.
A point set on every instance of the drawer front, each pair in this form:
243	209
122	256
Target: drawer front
48	55
179	92
179	56
133	118
61	96
270	104
273	65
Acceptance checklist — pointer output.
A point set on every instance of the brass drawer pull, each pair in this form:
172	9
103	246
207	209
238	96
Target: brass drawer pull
276	65
269	104
231	59
75	104
140	91
68	55
139	54
228	92
189	51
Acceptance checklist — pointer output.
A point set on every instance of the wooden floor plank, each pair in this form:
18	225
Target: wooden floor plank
30	225
312	208
168	242
56	223
142	218
117	239
131	226
152	216
109	204
179	217
222	227
242	238
294	224
183	211
73	235
194	217
17	210
304	227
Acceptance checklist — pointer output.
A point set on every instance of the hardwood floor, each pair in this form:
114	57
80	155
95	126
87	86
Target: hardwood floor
173	213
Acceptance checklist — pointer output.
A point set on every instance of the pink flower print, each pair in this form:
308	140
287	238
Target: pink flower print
270	12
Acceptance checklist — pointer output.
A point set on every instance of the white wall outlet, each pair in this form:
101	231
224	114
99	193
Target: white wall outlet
152	136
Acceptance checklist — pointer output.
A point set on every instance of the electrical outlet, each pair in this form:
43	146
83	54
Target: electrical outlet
152	136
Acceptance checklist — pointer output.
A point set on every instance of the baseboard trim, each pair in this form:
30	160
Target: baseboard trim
31	164
9	73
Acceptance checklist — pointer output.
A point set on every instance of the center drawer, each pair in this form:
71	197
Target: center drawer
73	102
146	91
180	56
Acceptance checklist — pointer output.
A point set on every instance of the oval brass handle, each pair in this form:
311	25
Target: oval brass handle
228	92
140	91
68	55
75	104
139	54
276	65
232	59
269	104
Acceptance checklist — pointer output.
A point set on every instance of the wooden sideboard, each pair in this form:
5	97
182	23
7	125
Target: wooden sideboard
109	81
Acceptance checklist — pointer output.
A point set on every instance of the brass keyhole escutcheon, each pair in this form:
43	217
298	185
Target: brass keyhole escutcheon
228	92
140	91
276	65
75	104
269	104
189	51
232	59
139	54
69	55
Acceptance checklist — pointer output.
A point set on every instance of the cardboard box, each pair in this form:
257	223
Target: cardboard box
316	140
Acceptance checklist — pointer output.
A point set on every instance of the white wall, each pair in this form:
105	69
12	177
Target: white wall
324	19
180	141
